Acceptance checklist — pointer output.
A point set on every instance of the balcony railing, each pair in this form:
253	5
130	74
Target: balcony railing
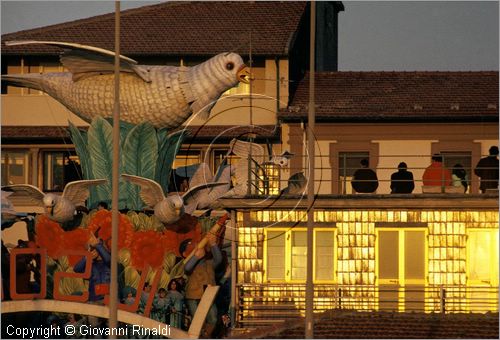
270	303
331	177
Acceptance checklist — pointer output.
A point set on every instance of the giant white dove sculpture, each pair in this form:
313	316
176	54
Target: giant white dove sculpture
58	208
165	96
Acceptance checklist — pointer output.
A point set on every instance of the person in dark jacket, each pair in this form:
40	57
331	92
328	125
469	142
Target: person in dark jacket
402	180
365	179
100	272
487	170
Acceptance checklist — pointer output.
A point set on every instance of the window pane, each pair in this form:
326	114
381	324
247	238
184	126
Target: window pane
60	168
14	167
270	185
414	255
480	255
324	255
185	158
241	88
218	157
276	255
388	255
299	255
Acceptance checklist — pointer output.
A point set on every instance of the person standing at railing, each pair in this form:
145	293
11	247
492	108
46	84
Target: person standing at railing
402	180
364	180
487	170
459	177
436	174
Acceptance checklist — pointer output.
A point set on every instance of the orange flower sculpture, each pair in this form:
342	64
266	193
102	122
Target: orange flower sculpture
147	250
172	240
49	235
76	240
102	220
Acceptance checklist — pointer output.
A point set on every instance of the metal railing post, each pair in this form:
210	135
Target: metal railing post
340	299
442	300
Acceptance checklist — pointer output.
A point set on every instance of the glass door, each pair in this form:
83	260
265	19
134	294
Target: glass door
401	269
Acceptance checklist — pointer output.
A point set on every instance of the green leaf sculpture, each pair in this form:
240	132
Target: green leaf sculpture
100	148
139	156
144	152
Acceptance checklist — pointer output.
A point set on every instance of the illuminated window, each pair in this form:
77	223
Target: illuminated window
60	168
324	259
240	89
298	264
219	155
482	268
276	255
186	157
287	255
15	167
483	256
349	162
270	179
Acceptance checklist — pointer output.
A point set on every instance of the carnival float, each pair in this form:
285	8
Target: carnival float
153	222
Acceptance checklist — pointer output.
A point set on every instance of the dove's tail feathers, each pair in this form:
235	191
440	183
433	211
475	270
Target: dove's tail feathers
32	80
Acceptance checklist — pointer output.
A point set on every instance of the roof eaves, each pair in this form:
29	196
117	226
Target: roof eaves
283	117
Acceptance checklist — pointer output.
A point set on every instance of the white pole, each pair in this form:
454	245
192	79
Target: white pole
309	334
113	288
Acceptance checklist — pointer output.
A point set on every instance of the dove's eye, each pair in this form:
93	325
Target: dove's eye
229	66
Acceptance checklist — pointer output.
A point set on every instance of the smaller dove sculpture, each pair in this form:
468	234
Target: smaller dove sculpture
257	156
207	196
59	208
168	209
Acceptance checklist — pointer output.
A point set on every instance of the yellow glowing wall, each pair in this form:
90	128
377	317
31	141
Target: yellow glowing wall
356	248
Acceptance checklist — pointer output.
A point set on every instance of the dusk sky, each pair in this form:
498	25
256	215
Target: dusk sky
373	36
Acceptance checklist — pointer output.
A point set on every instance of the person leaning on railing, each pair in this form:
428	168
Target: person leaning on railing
364	180
402	180
436	174
487	170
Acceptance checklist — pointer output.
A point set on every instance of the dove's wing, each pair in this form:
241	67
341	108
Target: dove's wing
85	61
223	176
202	175
77	192
151	192
190	197
24	194
244	149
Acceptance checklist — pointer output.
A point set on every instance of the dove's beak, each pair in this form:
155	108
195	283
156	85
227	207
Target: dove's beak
50	210
177	211
243	74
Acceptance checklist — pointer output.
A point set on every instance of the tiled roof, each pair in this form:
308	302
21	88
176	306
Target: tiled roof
196	134
398	95
179	28
338	324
